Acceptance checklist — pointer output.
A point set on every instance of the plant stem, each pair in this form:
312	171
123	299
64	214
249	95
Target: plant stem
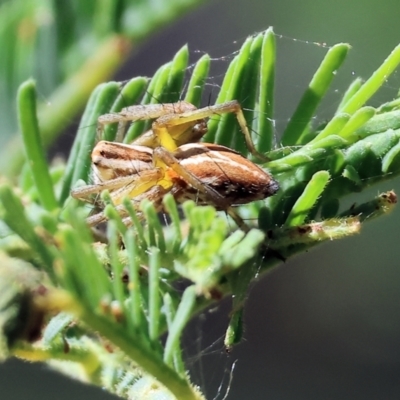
180	387
28	123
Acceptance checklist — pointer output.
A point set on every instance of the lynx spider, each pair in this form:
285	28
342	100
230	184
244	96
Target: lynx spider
169	158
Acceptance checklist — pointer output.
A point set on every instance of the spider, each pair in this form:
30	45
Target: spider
169	158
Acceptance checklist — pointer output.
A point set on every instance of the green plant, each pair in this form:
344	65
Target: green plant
106	305
70	47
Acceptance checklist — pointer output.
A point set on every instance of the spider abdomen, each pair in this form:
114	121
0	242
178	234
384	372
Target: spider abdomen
233	176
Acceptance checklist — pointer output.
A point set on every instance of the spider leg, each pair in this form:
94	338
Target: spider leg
155	195
140	185
130	185
164	158
163	125
238	219
100	217
83	192
140	113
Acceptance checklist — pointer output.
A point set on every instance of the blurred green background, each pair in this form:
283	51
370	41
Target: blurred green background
325	325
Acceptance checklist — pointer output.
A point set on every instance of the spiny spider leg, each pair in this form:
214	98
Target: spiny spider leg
142	113
154	195
83	192
126	186
163	124
164	157
176	123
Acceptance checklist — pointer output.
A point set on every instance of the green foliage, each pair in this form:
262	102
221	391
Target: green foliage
114	303
69	47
